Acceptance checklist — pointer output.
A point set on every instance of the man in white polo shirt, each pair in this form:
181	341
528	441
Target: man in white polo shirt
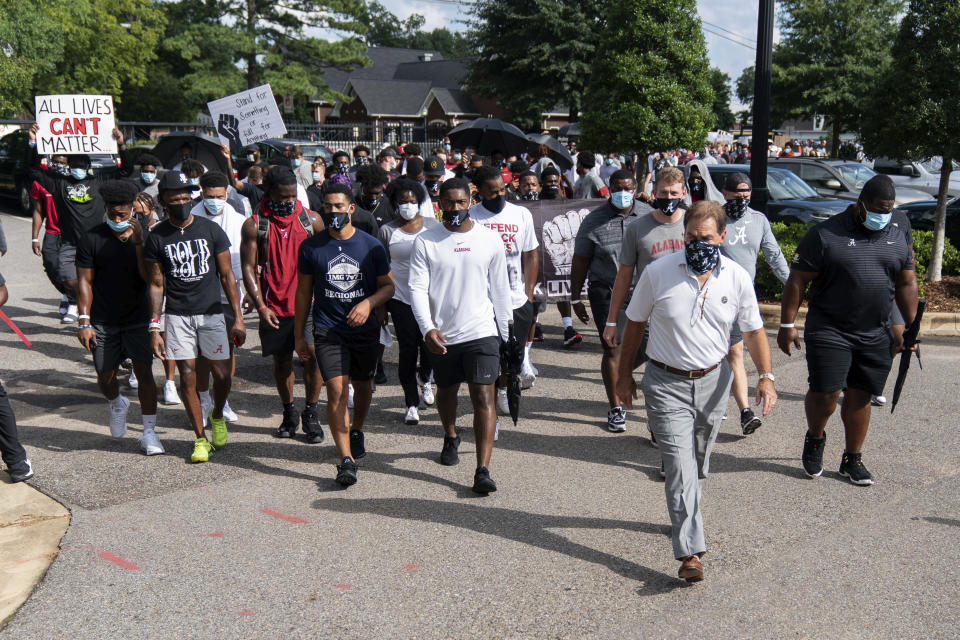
690	300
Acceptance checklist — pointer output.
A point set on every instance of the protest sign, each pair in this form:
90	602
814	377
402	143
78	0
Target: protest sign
247	117
75	124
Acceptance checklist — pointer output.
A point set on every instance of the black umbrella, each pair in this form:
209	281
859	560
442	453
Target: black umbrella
486	135
909	339
557	152
205	149
572	129
511	358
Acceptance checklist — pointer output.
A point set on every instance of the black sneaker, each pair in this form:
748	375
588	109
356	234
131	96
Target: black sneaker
571	337
311	424
482	482
357	450
616	419
288	426
449	455
749	422
347	472
813	455
538	333
22	472
381	377
852	468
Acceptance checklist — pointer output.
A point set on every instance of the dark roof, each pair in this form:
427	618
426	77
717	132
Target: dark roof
455	101
385	62
391	97
448	74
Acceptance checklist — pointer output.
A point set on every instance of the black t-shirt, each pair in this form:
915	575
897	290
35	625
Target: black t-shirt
188	258
852	298
78	202
383	213
119	293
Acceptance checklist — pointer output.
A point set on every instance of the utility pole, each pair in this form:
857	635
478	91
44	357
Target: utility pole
761	106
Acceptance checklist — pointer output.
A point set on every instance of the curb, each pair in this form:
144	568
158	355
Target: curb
933	324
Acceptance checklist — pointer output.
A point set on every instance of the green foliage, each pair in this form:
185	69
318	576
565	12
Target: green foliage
923	252
650	80
788	236
723	116
536	55
25	29
384	29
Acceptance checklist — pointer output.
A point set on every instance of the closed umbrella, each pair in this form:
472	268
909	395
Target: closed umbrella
556	150
486	135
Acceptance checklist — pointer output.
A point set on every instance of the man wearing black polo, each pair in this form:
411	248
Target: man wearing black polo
857	264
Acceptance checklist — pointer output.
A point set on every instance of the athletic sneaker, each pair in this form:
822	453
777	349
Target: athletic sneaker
206	406
170	395
310	420
538	333
218	430
813	455
571	337
749	422
150	443
426	393
381	376
229	414
347	472
349	396
496	430
449	455
617	420
852	468
482	482
134	384
202	450
357	448
70	316
118	416
528	375
288	426
412	417
878	401
503	402
64	303
23	474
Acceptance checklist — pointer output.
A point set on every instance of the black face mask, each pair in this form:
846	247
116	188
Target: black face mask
668	205
530	195
362	161
736	208
370	203
495	205
281	208
697	187
343	169
456	218
179	211
551	192
336	221
433	187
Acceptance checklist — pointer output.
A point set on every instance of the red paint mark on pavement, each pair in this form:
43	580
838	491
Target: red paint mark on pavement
412	567
290	519
215	534
15	328
117	560
108	518
343	586
245	613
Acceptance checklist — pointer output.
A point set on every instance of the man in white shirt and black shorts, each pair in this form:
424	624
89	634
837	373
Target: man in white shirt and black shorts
460	296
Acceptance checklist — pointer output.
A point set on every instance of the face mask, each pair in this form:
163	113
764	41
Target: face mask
363	160
876	221
179	211
697	187
343	169
119	227
78	174
281	208
456	157
668	205
456	218
621	199
608	162
296	162
408	210
370	203
530	195
336	221
148	178
447	147
195	181
251	157
550	192
495	205
214	205
702	256
433	187
62	169
736	208
317	177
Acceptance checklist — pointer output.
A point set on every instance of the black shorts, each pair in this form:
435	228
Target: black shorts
475	361
279	341
347	354
832	366
116	342
523	320
599	297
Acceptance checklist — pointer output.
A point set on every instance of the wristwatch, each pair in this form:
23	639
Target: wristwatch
768	376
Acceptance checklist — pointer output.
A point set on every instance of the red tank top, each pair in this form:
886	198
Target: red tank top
279	279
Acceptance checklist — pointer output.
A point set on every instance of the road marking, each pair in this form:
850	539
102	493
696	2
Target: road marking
245	612
291	519
412	567
215	534
117	560
343	586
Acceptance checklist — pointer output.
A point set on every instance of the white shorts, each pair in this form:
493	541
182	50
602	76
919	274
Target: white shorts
190	336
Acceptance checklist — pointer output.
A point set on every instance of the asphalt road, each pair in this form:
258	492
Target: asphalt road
261	543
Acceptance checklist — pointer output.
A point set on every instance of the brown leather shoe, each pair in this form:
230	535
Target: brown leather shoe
691	569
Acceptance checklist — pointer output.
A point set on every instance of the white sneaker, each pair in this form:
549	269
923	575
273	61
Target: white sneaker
878	401
150	443
170	395
349	396
134	383
503	402
206	406
426	392
118	416
412	417
229	414
70	316
528	376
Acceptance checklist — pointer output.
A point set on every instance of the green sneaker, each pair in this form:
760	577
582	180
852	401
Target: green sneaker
201	450
218	430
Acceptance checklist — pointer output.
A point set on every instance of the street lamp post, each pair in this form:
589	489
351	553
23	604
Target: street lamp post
761	106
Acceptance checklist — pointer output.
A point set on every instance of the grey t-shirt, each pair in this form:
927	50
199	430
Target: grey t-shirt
649	239
600	238
589	186
746	237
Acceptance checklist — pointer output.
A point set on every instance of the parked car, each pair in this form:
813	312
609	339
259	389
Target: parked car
922	216
791	199
922	174
839	178
311	150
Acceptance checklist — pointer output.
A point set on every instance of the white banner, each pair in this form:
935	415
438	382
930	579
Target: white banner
247	117
75	124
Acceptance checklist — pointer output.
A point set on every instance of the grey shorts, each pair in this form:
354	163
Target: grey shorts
116	342
67	267
190	336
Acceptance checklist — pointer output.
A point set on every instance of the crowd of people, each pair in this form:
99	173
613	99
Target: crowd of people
164	264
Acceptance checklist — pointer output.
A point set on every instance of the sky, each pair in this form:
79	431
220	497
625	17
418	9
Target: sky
723	21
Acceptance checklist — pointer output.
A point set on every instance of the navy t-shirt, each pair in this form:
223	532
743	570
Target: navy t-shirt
344	273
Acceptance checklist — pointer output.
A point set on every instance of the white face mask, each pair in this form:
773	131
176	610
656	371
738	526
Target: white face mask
408	210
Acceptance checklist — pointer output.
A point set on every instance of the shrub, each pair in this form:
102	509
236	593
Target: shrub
923	250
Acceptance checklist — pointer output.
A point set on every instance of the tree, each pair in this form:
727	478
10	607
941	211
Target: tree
830	57
534	56
914	109
28	51
384	29
650	82
723	116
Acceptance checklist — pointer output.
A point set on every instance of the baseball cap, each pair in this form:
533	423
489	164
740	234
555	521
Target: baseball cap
174	181
734	180
433	167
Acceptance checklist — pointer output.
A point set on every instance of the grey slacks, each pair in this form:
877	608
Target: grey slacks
685	417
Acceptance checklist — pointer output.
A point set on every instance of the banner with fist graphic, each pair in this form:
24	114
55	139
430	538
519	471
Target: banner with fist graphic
556	223
247	117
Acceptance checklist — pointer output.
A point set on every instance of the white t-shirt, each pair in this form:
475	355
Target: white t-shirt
232	224
399	246
514	225
690	326
458	284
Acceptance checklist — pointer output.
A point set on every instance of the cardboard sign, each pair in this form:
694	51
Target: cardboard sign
247	117
75	124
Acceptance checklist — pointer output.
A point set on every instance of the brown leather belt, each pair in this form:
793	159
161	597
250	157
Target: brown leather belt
699	373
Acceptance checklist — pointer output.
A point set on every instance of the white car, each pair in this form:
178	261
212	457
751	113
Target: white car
922	174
